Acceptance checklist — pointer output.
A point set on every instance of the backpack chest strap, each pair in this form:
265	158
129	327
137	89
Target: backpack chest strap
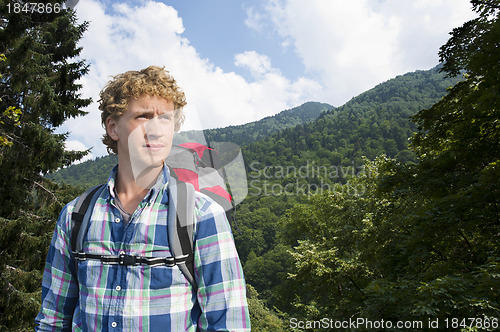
130	260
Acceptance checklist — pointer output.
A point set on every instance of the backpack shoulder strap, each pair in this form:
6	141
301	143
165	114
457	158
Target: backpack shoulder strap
81	215
180	226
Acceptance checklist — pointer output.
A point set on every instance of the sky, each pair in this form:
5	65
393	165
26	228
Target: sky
240	61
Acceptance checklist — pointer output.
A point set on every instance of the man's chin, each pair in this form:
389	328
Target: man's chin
146	160
141	163
156	165
146	175
148	166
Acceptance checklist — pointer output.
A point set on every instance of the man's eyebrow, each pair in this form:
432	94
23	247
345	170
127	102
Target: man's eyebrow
152	109
142	112
152	112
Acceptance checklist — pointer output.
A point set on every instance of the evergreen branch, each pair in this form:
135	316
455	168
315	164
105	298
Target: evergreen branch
50	192
9	288
486	3
13	138
29	214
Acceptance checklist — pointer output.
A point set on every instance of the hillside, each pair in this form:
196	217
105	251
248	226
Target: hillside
94	172
258	130
87	174
375	122
296	165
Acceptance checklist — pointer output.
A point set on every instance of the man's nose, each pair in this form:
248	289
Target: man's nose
154	128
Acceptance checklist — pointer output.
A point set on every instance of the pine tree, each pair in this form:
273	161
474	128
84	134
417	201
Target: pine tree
39	75
39	70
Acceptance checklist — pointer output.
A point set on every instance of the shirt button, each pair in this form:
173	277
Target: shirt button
117	220
113	324
118	288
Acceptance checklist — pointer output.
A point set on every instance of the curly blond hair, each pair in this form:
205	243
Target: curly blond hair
151	81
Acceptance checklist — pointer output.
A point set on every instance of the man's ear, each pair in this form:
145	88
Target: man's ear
111	128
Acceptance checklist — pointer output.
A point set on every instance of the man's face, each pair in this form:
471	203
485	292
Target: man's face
144	132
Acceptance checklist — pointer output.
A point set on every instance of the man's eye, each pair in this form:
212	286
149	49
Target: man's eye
165	117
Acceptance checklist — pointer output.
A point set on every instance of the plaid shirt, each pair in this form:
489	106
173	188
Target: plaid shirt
109	297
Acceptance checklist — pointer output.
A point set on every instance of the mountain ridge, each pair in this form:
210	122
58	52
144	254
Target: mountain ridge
375	122
247	133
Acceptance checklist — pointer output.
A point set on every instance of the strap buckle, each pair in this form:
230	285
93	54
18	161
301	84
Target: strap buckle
127	260
182	259
79	256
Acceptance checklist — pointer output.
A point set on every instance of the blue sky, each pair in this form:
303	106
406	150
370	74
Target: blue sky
217	30
239	61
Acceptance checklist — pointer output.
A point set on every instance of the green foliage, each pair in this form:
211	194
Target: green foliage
268	271
422	242
38	92
262	318
389	255
24	242
87	174
10	114
335	239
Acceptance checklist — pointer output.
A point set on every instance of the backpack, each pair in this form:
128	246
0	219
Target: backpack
193	167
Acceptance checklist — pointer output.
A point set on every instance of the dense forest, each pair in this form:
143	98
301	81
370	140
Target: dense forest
385	209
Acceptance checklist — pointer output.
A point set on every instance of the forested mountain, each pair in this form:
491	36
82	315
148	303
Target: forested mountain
295	165
94	172
86	174
254	131
373	123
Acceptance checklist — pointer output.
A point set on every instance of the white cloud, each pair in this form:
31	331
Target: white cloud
350	46
255	20
132	38
78	146
258	64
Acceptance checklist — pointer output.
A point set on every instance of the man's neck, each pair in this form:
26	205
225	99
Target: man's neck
131	189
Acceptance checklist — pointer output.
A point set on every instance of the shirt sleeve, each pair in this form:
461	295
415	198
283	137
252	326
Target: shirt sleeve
218	272
59	284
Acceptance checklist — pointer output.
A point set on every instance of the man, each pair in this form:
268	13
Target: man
140	112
